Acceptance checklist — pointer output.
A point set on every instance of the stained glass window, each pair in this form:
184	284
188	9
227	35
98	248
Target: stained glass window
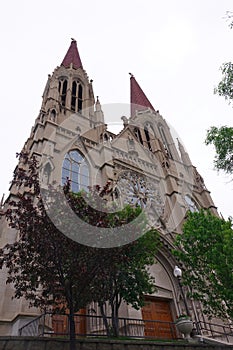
190	203
75	168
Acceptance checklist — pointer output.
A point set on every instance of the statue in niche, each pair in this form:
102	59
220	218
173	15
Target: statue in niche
131	144
46	174
165	155
149	129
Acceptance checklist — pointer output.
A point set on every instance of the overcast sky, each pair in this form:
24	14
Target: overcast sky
174	49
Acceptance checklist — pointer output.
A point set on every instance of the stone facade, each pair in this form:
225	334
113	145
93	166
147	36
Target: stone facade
143	162
16	343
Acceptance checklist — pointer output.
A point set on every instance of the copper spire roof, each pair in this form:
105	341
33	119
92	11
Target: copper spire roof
138	99
72	56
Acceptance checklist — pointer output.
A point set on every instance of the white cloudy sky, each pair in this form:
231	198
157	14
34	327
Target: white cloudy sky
173	47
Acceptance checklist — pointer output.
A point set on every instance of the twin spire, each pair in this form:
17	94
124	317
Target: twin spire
138	99
72	56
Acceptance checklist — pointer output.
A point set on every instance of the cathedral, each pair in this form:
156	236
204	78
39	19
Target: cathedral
144	162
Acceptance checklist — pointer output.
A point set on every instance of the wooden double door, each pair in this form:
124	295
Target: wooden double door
60	324
158	318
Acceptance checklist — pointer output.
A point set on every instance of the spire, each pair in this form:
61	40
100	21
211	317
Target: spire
138	99
72	56
184	155
99	115
97	104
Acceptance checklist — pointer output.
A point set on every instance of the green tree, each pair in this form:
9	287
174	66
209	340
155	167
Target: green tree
205	250
225	86
127	279
222	139
49	269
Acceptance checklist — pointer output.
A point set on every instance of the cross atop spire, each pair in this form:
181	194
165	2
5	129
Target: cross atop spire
138	99
72	56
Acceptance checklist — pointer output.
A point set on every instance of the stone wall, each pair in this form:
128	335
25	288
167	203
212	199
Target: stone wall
30	343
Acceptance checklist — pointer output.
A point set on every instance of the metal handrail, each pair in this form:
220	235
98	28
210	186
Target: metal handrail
128	327
213	329
32	324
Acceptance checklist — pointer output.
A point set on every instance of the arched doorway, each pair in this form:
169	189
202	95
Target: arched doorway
160	309
157	315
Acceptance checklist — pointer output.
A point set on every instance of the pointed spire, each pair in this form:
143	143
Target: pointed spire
138	99
72	56
98	111
184	155
97	104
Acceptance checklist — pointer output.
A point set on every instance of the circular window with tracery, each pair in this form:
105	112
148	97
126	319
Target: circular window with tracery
138	190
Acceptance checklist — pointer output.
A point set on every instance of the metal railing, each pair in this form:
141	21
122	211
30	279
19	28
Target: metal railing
36	327
50	324
215	330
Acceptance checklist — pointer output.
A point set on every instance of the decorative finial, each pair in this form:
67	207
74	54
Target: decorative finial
125	120
180	144
132	76
72	39
2	201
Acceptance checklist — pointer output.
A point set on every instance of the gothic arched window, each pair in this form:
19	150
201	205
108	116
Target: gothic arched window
164	140
76	97
75	168
147	130
137	133
62	88
80	97
190	203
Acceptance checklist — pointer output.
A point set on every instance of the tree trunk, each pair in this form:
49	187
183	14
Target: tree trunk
72	329
71	318
105	320
115	321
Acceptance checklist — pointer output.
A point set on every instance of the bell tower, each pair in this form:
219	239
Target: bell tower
68	90
68	109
